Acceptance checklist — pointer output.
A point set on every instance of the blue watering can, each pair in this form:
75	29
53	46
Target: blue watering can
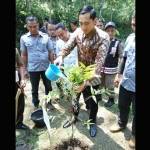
53	73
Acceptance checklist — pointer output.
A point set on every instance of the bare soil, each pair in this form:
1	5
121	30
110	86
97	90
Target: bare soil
38	139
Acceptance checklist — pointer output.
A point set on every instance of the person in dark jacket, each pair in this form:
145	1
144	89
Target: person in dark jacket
110	67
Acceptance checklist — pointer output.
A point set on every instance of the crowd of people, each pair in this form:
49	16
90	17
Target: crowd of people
90	42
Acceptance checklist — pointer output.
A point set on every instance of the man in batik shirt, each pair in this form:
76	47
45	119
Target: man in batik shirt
92	44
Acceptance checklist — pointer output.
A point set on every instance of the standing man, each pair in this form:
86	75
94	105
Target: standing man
92	45
74	25
52	34
72	59
45	25
113	57
20	83
36	52
127	86
99	24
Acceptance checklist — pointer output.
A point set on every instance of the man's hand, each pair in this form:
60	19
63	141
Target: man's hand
80	88
117	80
58	61
22	84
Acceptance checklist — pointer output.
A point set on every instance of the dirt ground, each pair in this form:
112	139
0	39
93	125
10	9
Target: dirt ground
38	139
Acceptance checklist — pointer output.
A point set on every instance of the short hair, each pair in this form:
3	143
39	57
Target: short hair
88	9
46	19
75	22
60	25
100	20
52	21
31	18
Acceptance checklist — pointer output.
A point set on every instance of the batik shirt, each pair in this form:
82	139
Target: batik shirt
92	49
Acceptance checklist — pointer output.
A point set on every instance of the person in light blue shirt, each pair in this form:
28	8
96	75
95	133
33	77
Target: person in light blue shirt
36	51
128	81
127	86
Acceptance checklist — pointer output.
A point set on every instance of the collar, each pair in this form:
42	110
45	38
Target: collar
90	35
113	39
40	34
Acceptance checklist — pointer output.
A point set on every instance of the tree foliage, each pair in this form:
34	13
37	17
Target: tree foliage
118	11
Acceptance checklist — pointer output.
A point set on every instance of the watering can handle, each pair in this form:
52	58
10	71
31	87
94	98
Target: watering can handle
62	70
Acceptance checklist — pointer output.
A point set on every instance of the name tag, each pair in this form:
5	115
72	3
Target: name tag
113	51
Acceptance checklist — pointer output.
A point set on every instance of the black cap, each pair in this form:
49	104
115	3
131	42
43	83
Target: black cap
110	24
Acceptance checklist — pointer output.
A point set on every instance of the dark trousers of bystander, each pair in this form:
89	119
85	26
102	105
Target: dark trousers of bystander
35	79
124	102
21	105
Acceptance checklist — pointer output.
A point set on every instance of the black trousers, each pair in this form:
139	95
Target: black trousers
35	79
90	103
125	100
21	105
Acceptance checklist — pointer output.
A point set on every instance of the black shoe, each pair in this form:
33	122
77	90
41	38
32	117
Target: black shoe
22	126
109	103
68	123
93	130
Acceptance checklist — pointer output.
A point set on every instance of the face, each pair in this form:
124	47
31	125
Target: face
33	27
99	24
86	23
51	30
45	23
133	24
62	34
111	31
73	27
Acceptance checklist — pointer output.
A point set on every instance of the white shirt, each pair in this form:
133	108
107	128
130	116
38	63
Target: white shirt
70	60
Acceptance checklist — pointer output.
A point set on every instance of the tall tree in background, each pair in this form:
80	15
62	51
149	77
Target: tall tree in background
65	10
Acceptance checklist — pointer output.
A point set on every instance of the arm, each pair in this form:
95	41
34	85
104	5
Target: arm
120	52
71	43
50	51
122	65
23	50
21	69
120	72
51	56
123	57
100	58
24	55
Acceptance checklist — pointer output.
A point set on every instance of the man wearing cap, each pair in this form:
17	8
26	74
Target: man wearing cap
110	67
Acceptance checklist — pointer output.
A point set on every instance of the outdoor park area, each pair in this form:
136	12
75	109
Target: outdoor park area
75	74
38	138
